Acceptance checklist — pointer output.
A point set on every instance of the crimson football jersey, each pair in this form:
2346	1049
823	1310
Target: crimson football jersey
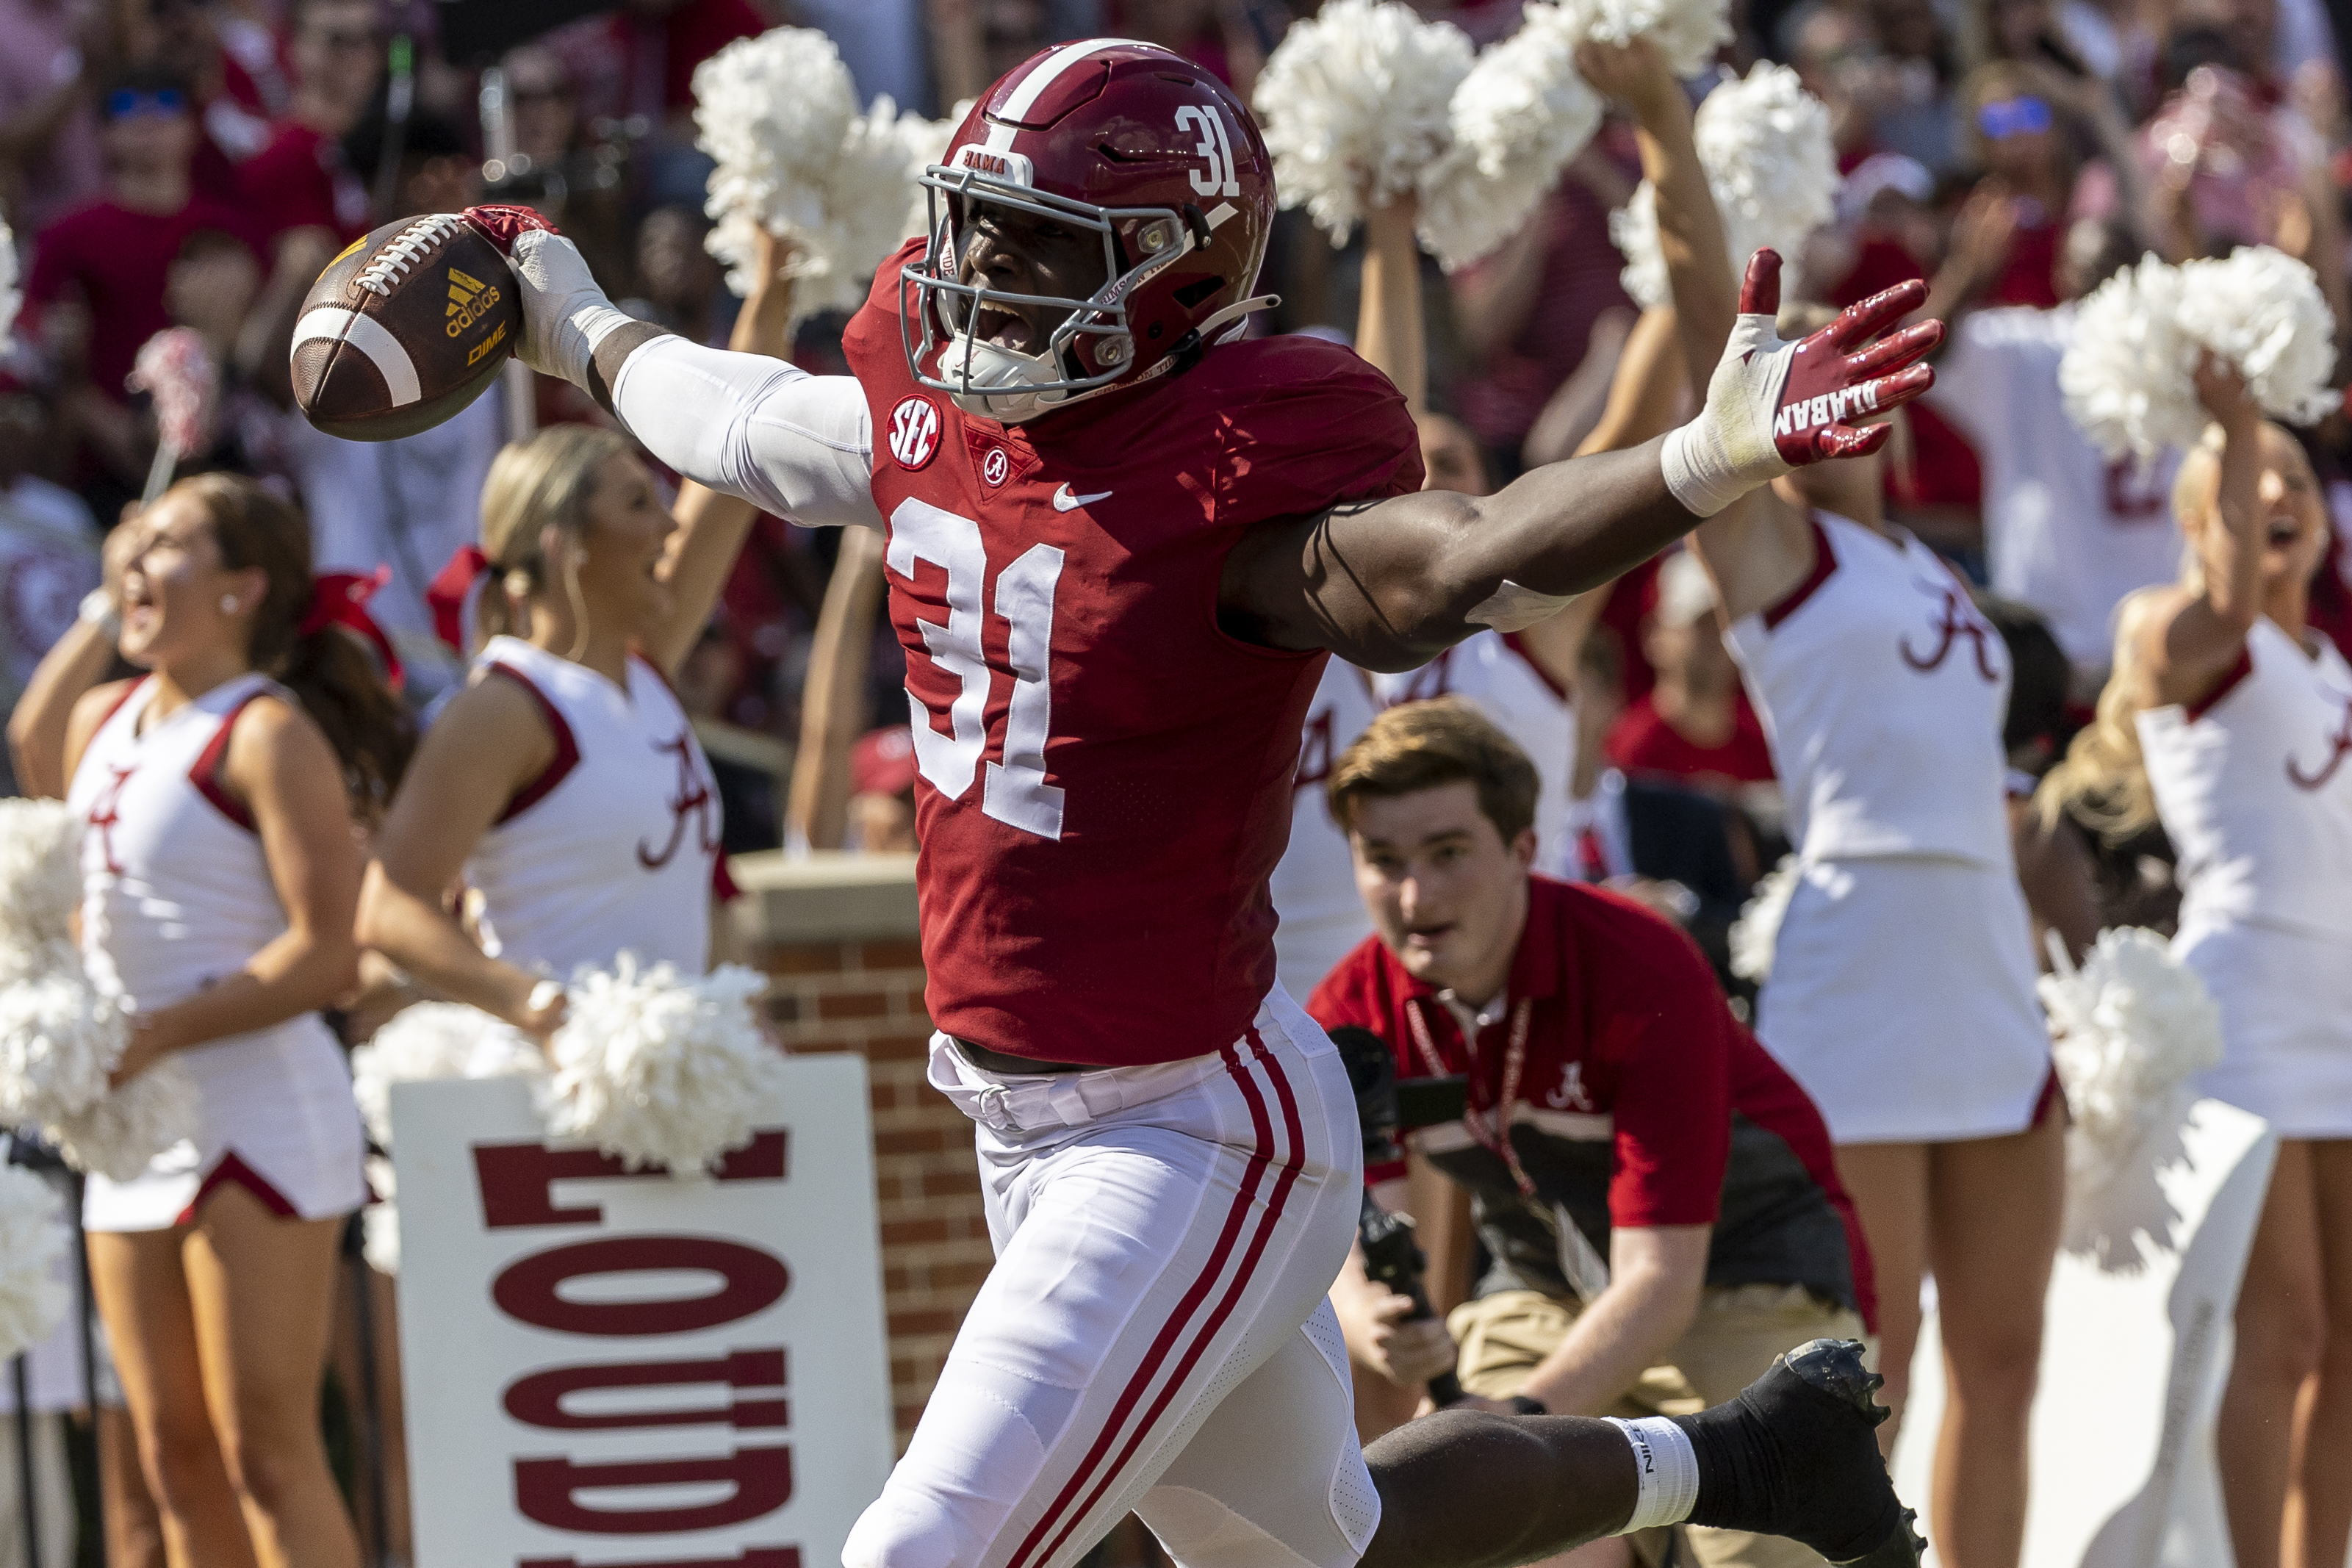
1104	774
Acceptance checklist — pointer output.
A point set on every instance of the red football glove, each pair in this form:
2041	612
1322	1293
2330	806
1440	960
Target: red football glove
1774	406
503	226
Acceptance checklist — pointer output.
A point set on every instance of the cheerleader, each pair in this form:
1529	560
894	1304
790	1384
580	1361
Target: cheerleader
2229	720
1902	991
220	873
563	783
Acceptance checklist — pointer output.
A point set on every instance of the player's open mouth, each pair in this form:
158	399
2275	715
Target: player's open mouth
2285	530
994	324
1427	936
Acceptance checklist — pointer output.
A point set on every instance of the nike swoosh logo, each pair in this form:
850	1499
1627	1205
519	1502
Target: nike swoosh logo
1064	501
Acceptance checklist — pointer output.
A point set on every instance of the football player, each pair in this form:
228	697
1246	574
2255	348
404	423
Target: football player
1122	541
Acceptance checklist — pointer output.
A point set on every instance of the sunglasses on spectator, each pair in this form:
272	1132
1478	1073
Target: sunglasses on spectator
128	102
2007	117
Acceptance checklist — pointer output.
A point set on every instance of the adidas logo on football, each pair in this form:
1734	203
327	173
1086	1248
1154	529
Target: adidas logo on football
469	299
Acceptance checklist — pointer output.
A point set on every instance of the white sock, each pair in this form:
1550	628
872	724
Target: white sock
1667	1468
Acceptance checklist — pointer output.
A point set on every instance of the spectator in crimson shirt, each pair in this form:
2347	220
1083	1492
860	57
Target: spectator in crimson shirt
1693	726
300	181
1657	1195
108	261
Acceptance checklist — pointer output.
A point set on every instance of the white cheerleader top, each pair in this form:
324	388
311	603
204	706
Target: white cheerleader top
1882	691
176	894
1495	674
2254	785
612	848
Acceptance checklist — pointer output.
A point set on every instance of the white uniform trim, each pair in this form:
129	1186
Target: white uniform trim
332	323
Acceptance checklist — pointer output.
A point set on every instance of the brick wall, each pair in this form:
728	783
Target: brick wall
838	937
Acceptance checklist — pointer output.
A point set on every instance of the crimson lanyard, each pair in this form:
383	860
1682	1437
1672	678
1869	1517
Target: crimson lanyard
1491	1128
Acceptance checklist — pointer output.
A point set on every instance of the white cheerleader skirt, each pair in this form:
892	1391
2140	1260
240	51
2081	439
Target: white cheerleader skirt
2285	997
277	1119
1902	998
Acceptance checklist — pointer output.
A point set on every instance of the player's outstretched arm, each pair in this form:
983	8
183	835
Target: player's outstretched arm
1387	584
797	445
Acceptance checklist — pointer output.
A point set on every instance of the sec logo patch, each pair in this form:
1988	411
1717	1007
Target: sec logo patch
914	431
995	467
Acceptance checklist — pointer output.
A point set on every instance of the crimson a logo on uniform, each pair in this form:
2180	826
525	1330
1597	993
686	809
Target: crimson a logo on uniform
914	431
995	467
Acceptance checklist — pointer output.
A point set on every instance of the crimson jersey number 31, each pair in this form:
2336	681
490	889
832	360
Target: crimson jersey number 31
1016	792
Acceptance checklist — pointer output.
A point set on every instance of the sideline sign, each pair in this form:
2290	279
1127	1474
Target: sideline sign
608	1370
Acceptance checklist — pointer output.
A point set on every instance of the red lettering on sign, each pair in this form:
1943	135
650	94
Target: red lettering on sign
753	1557
545	1490
538	1400
754	1281
515	1178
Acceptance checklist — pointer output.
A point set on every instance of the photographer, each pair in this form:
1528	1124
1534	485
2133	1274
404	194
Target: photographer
1646	1127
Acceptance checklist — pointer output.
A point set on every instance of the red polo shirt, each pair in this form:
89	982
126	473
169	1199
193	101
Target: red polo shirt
1639	1101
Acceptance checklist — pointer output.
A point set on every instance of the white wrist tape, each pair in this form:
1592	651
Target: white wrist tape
545	995
1728	449
1666	1467
565	315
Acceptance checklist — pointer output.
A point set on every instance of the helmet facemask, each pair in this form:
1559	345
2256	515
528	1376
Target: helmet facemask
1007	384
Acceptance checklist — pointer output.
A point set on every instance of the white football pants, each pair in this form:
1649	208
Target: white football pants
1155	1335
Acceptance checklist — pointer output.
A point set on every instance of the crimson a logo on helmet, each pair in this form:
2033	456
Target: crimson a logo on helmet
914	431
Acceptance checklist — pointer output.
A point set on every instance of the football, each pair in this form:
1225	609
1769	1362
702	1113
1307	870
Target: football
403	329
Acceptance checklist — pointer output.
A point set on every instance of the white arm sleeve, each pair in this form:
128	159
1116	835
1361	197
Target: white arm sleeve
797	445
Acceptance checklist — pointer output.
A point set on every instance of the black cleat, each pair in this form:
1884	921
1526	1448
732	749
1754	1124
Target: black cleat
1794	1455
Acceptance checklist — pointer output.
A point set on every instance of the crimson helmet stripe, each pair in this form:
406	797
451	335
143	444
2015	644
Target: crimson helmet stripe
1031	88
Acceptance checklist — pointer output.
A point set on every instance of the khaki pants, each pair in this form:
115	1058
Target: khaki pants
1738	1330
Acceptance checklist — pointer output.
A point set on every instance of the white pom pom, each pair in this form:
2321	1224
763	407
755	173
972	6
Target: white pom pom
1687	32
772	112
428	1040
873	200
1518	118
11	298
2129	1028
660	1070
58	1039
1764	141
33	1235
380	1221
2127	373
116	1135
40	870
1355	103
1757	932
2261	310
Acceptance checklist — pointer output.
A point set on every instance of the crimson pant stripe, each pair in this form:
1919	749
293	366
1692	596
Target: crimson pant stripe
1285	1177
1169	1332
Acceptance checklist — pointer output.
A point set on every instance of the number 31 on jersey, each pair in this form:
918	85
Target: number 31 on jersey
1015	793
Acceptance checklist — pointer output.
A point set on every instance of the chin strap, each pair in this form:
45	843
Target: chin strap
1206	330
